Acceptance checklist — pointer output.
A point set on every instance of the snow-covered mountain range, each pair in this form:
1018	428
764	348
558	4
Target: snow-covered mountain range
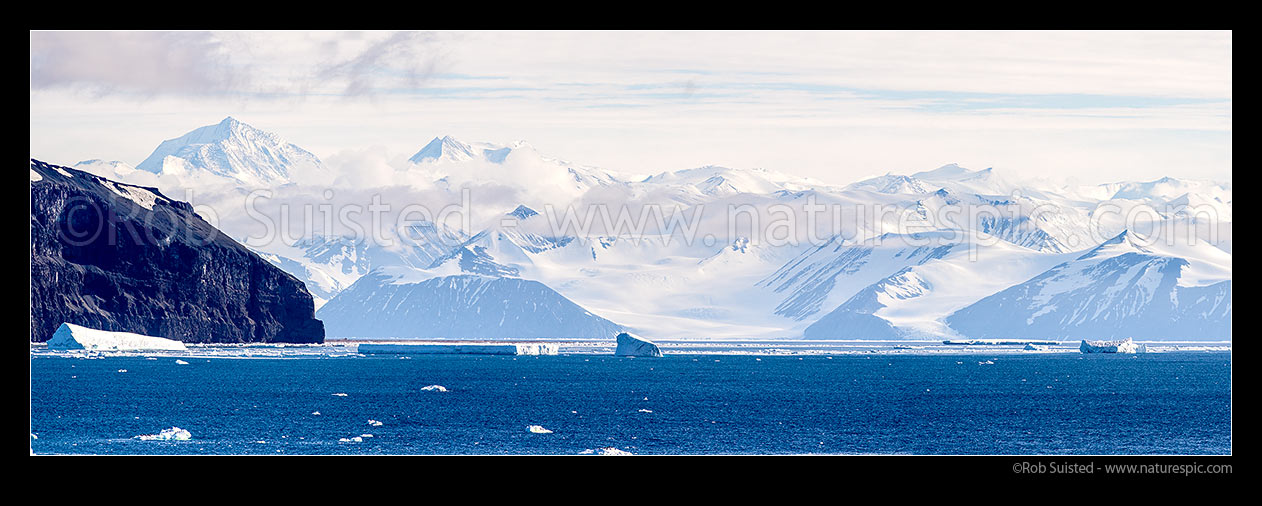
724	252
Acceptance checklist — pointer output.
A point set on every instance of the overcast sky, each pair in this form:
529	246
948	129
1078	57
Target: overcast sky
837	106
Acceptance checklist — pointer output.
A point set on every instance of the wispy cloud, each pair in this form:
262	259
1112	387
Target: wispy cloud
142	63
833	105
402	59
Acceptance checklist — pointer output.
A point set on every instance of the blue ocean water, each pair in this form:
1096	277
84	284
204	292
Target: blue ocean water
1166	403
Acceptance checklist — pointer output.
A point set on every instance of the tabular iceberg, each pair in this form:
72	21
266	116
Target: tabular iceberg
74	337
631	346
1123	346
460	349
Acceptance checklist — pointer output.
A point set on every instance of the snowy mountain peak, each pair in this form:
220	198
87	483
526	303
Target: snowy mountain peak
230	149
948	171
522	212
1125	242
449	149
445	148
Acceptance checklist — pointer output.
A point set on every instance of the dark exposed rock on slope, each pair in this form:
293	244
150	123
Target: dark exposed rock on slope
119	257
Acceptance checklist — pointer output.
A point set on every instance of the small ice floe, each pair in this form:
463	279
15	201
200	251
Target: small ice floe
151	358
538	429
434	388
122	370
365	435
646	411
988	362
180	362
374	423
1033	347
339	394
315	413
171	434
356	439
607	450
33	436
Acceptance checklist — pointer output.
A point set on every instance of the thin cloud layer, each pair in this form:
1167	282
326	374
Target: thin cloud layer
143	63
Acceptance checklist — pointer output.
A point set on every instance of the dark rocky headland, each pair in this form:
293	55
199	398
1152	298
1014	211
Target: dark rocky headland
120	257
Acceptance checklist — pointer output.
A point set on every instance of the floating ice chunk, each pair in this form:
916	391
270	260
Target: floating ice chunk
365	435
74	337
988	362
434	388
607	450
1034	347
171	434
646	411
538	429
632	346
122	370
374	423
1123	346
315	413
356	439
180	362
339	394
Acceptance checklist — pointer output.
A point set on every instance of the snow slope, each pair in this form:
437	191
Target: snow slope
387	302
233	150
1125	287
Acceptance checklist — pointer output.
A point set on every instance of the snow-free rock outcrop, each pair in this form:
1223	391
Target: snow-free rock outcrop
631	346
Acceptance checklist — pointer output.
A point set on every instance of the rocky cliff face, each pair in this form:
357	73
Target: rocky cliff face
119	257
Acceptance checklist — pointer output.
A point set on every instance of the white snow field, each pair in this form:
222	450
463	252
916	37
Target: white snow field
699	253
74	337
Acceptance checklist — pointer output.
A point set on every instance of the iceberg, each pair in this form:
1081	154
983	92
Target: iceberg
631	346
1033	347
538	429
73	337
171	434
608	450
459	349
1123	346
434	388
